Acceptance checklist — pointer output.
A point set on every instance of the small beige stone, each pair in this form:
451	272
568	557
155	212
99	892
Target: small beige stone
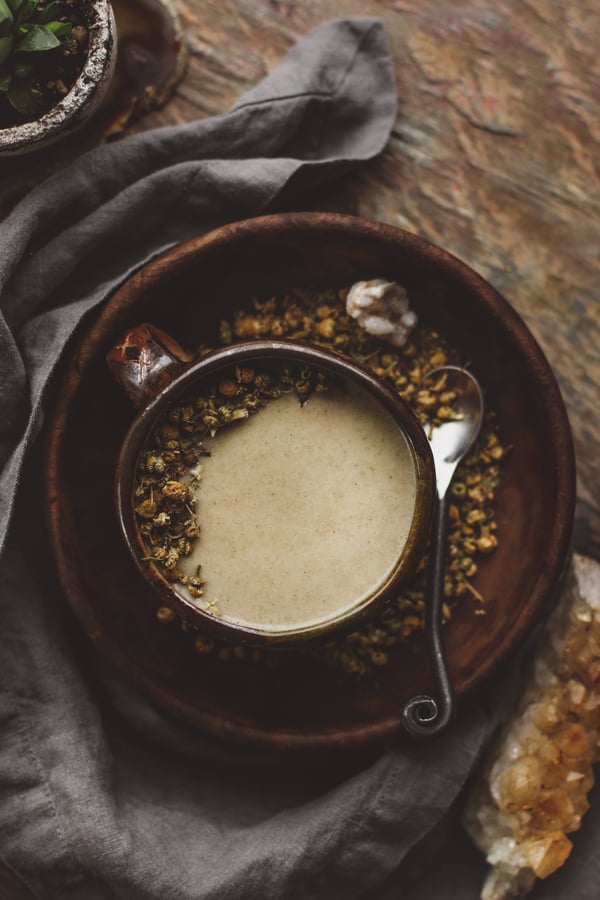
382	308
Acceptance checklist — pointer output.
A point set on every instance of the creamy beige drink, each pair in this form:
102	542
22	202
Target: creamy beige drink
304	510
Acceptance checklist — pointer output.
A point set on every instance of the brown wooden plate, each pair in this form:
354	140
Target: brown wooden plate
301	705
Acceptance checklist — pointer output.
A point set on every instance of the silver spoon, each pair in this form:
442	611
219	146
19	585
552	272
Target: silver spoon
423	715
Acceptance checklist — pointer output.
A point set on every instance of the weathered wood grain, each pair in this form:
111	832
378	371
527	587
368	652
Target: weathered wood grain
495	156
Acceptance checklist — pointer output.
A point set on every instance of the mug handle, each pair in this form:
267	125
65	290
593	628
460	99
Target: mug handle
145	361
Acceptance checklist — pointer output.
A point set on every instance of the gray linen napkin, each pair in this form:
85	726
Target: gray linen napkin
101	797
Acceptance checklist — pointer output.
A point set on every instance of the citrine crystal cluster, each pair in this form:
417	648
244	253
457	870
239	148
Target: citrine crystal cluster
532	791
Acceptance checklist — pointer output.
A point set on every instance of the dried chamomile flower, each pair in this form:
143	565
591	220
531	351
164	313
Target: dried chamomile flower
322	317
170	471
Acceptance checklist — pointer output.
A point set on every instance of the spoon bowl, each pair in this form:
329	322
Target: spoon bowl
451	441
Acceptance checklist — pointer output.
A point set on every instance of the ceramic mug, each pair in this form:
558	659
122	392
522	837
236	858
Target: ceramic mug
333	494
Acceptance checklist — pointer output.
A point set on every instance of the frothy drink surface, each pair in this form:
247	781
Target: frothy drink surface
303	509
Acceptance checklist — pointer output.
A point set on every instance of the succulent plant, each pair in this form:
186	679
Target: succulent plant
28	28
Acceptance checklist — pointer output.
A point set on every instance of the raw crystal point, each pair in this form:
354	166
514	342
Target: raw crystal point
532	789
382	309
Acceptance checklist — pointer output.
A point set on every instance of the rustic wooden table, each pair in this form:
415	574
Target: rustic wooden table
494	156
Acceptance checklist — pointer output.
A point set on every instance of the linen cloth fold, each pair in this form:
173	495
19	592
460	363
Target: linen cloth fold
100	796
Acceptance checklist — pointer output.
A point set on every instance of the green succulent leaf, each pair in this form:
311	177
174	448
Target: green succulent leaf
37	39
25	31
24	97
22	70
6	45
60	29
25	11
51	13
6	18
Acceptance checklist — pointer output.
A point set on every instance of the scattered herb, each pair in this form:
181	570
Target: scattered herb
172	461
320	317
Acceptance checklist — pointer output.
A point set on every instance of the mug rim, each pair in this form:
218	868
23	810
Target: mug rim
303	352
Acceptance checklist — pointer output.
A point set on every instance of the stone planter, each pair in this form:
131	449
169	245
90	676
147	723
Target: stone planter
83	98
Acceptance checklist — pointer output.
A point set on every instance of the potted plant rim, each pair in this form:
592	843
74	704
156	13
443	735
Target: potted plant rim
56	61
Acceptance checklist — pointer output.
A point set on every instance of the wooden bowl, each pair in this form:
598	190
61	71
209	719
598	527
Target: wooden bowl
302	706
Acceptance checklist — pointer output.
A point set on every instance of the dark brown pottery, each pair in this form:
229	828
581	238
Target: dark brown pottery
147	364
302	706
